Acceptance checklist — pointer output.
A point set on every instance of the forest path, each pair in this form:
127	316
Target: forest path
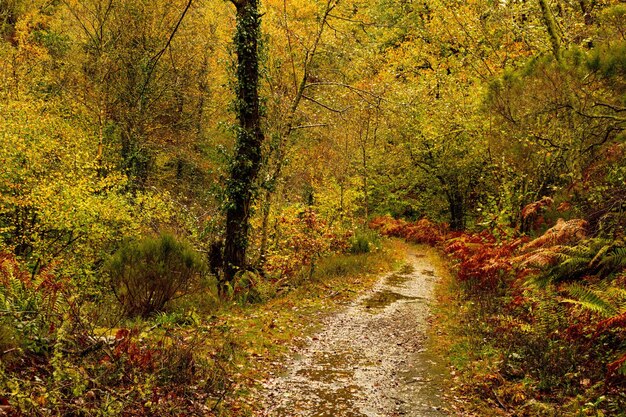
368	360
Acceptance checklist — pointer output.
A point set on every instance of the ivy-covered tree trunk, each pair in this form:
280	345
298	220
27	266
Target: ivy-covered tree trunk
552	27
246	162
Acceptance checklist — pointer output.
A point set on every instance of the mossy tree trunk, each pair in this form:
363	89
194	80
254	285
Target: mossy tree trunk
552	28
246	162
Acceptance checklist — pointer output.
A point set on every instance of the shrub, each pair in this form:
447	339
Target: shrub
423	231
146	275
363	241
359	244
302	238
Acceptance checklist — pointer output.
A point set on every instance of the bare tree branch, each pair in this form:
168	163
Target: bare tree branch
157	57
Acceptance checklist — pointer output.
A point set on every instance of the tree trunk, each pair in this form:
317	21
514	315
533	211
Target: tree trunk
245	166
457	211
552	27
266	211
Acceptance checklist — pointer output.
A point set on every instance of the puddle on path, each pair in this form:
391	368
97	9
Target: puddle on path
329	368
397	280
324	403
370	360
384	298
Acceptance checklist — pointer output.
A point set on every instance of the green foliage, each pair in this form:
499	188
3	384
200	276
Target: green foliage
364	241
591	257
590	299
147	275
545	106
609	62
56	206
30	305
176	319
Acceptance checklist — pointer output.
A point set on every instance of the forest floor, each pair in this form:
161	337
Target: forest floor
372	358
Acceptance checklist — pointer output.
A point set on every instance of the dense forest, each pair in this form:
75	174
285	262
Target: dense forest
165	166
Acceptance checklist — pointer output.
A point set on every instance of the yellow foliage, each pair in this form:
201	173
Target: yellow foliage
56	201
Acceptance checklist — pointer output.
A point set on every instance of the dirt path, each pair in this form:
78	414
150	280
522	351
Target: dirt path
369	360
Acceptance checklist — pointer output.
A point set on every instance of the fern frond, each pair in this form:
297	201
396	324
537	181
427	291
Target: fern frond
598	258
615	261
541	258
562	232
533	208
539	281
563	262
612	322
572	268
590	300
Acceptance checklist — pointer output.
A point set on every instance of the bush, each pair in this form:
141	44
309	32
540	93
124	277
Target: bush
363	242
146	275
301	238
423	231
359	244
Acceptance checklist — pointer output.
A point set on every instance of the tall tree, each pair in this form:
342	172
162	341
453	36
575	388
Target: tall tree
246	162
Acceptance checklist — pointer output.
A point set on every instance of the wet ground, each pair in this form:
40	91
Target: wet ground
369	360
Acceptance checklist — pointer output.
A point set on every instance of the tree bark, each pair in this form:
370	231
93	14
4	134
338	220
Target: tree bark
457	211
246	163
552	27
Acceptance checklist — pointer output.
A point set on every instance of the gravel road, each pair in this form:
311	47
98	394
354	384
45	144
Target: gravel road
369	360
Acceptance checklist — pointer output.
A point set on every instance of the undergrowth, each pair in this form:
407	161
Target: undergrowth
64	353
533	327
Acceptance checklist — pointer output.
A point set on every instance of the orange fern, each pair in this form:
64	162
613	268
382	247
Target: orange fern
569	231
534	208
612	322
422	231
